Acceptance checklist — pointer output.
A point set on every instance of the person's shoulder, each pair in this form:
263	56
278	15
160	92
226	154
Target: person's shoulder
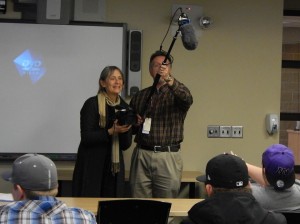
263	194
85	214
77	212
141	93
6	205
295	188
205	203
257	187
297	183
274	218
80	210
91	99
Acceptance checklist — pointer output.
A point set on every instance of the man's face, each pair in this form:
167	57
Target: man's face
154	67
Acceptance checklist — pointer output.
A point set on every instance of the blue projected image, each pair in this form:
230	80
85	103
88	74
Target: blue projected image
28	64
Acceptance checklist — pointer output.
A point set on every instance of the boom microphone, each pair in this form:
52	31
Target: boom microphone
188	38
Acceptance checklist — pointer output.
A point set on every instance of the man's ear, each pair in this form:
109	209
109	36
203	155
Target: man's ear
209	189
18	193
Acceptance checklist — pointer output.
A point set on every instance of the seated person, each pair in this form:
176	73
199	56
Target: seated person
229	195
35	185
276	188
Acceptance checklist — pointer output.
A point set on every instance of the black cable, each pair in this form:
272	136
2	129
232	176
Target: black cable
160	48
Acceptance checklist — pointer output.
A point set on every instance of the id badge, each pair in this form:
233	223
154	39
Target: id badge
146	126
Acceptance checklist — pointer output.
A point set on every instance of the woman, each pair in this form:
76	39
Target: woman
99	169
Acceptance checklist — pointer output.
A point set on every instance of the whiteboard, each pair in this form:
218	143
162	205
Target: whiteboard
46	73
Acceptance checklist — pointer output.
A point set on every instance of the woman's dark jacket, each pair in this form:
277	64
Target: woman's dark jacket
92	175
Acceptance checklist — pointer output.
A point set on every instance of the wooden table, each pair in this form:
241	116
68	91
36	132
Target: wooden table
66	174
180	206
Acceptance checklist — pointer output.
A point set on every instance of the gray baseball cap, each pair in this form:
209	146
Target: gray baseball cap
33	172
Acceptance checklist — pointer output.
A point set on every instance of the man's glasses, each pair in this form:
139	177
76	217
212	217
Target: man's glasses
157	65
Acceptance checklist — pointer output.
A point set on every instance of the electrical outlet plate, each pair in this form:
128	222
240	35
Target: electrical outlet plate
213	131
225	131
236	131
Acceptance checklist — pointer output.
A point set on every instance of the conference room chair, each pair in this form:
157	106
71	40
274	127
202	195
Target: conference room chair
292	218
133	211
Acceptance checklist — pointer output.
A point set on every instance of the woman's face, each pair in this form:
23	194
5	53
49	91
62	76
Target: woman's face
114	83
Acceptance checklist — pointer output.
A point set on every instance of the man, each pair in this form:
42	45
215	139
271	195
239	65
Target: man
156	164
35	185
276	188
229	195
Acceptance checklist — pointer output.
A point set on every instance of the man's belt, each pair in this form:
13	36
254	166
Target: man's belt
158	148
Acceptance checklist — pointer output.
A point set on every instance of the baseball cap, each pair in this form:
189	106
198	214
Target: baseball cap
33	172
278	161
225	171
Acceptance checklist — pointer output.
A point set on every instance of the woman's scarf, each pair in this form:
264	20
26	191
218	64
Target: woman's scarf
103	99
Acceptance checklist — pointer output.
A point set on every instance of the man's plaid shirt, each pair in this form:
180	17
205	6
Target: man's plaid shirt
167	109
45	210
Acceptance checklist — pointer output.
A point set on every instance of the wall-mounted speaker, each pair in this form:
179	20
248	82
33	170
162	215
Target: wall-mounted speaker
134	79
89	10
53	11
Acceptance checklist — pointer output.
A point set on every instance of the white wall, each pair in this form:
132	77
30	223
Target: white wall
234	74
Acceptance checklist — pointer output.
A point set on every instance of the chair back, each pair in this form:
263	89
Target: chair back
133	211
292	218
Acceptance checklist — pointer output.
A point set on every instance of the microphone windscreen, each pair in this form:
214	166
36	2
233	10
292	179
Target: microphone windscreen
189	39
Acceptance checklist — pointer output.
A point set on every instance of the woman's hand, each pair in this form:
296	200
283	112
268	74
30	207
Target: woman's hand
116	128
121	128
